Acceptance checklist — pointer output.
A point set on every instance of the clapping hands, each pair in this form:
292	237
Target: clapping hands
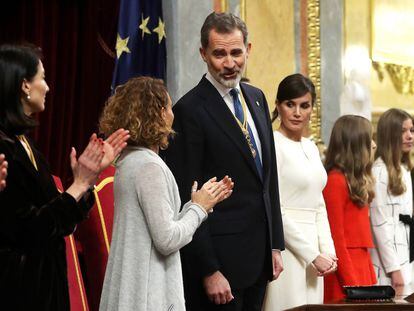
113	146
212	192
96	157
3	172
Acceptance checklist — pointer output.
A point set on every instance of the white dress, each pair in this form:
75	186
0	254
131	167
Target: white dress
391	236
302	178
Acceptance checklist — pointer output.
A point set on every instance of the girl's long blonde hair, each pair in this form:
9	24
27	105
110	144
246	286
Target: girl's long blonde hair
389	148
349	151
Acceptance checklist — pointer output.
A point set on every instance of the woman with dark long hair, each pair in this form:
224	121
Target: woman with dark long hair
348	192
35	217
392	207
309	252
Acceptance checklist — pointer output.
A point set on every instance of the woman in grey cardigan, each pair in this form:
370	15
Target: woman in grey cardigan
144	269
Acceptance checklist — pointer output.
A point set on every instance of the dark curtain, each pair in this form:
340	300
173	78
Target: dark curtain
77	38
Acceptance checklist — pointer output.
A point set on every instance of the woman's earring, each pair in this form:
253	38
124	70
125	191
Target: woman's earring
28	97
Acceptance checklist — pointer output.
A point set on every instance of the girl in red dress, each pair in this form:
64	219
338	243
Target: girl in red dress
349	190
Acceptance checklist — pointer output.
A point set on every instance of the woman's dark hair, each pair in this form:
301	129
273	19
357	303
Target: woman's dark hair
17	63
291	87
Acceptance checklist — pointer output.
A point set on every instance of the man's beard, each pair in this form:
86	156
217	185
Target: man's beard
226	82
230	83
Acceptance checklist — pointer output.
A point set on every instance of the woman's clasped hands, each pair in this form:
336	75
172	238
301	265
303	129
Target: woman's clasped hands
212	192
325	264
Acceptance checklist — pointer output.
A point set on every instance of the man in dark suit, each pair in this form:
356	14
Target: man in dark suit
223	128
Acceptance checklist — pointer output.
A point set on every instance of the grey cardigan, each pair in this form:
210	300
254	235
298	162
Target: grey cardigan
144	269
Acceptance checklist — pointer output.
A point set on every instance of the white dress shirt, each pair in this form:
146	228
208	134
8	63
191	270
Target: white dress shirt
228	99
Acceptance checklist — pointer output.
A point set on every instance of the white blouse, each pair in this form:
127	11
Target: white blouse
391	236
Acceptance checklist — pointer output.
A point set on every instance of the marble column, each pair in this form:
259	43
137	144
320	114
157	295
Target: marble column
183	21
332	79
298	33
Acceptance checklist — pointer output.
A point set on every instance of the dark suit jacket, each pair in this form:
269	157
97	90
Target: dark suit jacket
238	236
34	218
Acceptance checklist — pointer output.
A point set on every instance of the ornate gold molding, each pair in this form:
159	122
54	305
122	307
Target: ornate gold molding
314	65
224	5
243	10
402	77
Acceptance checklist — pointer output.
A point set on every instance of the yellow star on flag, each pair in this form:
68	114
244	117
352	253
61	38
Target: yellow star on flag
121	46
143	26
160	30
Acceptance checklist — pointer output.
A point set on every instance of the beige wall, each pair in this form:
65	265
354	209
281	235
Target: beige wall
358	33
271	32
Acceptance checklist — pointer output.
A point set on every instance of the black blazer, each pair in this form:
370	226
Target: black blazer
238	236
34	218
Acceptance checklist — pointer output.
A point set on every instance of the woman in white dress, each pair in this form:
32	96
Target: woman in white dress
392	207
144	268
310	251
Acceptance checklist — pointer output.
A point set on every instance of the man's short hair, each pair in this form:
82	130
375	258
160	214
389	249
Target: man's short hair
223	23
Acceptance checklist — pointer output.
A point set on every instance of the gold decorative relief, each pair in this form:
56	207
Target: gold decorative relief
402	77
314	65
392	42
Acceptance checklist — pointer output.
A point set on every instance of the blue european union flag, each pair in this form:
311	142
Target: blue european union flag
140	44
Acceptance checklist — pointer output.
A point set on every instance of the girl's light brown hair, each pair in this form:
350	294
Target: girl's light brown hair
137	106
389	148
349	151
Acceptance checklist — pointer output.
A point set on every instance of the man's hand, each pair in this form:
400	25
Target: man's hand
277	263
218	288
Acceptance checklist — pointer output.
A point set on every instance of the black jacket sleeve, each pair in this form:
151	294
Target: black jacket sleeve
32	211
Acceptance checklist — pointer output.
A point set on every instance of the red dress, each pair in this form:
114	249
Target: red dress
351	233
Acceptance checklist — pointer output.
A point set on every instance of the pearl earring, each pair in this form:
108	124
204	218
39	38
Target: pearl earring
28	96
